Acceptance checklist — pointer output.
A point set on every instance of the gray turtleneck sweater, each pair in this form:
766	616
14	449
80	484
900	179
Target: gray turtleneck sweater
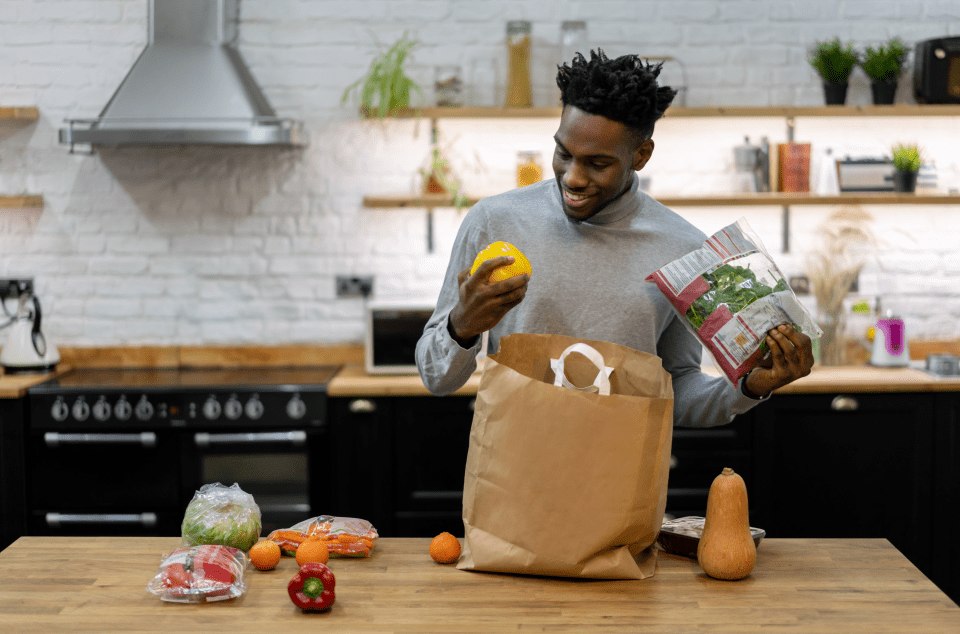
588	282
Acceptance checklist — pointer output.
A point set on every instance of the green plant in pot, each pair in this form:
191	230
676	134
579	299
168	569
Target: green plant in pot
386	86
884	65
907	160
437	179
834	61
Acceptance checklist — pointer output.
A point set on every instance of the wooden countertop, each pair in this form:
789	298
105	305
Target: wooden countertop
16	385
98	584
353	381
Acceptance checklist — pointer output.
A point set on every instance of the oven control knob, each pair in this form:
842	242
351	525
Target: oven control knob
80	409
59	411
144	409
122	410
254	408
233	409
296	408
101	409
211	409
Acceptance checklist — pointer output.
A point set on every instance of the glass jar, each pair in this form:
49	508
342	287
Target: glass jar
529	169
485	87
447	85
519	90
573	40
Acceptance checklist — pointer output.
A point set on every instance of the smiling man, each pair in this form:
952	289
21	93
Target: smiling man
592	237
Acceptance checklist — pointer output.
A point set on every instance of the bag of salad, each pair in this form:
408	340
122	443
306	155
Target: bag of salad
730	293
224	515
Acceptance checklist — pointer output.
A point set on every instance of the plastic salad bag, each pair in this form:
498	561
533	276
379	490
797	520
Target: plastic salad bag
730	293
222	515
195	574
344	536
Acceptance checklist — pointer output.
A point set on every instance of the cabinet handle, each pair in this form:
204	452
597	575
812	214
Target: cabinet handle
673	461
362	406
56	520
204	439
144	439
844	404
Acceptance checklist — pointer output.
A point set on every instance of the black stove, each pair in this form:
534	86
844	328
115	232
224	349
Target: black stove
182	397
123	451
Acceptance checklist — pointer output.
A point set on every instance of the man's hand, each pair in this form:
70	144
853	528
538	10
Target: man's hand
482	305
791	357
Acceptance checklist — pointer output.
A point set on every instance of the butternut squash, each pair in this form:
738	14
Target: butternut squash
726	549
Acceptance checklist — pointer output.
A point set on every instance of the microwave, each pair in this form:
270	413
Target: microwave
393	329
936	71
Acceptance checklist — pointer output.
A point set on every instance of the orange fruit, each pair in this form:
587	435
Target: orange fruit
312	550
265	555
494	250
445	548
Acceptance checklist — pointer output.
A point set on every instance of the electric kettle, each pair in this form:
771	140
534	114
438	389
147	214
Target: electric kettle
890	346
26	349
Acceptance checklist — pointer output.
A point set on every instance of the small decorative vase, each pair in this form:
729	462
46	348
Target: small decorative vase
835	94
883	92
904	181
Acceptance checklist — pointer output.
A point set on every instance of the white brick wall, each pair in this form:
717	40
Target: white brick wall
228	245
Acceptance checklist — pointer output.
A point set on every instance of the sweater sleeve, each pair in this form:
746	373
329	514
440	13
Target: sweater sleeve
700	400
444	365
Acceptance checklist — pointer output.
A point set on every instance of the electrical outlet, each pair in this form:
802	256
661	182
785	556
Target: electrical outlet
800	284
354	286
15	287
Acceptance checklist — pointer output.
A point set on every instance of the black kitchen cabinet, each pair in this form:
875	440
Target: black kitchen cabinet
400	462
362	473
431	442
847	465
698	456
946	495
12	471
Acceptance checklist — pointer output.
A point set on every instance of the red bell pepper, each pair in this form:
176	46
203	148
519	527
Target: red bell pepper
311	589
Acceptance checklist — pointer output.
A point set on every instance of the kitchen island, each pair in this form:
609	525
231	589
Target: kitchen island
96	584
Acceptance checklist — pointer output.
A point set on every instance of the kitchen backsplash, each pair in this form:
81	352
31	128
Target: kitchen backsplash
209	245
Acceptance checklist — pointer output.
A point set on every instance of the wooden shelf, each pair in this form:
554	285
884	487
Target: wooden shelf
429	201
897	110
780	199
24	201
19	114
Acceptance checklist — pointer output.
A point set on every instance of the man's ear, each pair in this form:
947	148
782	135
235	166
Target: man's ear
642	154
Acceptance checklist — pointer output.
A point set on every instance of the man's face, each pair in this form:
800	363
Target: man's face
594	161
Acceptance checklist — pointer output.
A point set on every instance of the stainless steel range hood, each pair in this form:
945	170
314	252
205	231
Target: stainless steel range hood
189	85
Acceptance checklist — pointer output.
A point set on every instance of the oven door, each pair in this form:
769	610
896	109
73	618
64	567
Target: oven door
87	482
282	469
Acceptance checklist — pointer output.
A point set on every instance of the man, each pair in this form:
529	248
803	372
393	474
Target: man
592	237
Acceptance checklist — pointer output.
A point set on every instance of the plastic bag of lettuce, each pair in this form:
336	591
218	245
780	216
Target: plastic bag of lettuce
730	293
222	515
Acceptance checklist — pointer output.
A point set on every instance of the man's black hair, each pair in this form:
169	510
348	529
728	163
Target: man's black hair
623	89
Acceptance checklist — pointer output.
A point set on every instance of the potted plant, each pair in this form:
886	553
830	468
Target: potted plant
883	65
437	179
834	62
906	163
386	86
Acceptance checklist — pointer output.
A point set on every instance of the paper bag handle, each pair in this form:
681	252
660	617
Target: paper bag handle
600	385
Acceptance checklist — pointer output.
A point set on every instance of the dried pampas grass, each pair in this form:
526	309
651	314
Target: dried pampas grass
846	242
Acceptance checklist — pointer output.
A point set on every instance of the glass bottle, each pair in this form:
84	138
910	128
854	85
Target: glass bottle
529	170
519	90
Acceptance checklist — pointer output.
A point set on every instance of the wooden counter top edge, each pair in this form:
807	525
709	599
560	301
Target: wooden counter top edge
353	381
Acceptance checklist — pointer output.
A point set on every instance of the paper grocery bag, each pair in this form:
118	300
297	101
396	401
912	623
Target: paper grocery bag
563	479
